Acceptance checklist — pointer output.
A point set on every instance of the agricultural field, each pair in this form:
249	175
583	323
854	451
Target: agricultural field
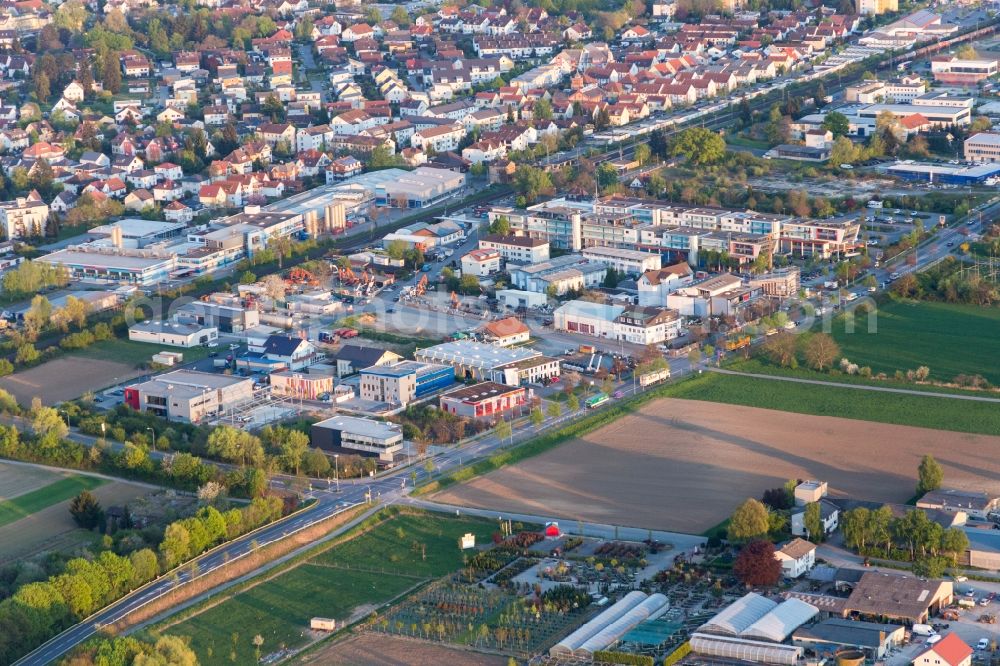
382	650
52	527
966	416
948	338
416	545
700	459
344	583
26	504
16	480
65	378
279	610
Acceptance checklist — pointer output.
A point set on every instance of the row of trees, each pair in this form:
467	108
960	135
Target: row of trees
182	470
948	282
30	277
39	610
129	651
911	538
819	350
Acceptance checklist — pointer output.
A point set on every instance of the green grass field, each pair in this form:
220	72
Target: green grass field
929	412
421	545
24	505
279	610
949	339
135	353
418	547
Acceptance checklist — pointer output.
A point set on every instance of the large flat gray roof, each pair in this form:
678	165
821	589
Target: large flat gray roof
360	426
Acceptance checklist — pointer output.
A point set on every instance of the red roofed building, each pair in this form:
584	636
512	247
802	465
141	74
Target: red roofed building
915	122
949	651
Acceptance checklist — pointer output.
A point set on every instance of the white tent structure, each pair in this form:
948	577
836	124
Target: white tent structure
779	624
742	649
739	615
651	608
567	646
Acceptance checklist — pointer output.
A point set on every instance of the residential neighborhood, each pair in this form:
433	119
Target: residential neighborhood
492	332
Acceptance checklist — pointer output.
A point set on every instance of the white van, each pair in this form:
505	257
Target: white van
983	644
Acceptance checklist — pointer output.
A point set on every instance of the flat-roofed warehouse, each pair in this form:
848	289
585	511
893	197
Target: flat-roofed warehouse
829	636
189	395
109	264
480	361
398	188
137	233
357	436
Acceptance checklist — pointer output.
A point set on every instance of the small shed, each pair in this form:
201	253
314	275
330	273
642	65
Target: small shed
322	624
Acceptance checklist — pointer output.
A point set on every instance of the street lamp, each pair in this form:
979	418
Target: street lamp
336	469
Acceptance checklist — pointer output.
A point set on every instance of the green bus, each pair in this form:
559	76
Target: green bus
597	400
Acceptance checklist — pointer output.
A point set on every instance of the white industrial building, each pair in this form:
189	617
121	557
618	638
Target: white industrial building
629	262
517	249
172	333
566	273
638	324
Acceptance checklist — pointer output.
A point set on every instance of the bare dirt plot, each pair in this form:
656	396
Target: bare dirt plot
683	465
65	378
16	480
382	650
52	528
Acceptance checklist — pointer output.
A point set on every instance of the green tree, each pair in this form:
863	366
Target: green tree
642	154
293	449
86	510
176	545
967	52
235	445
543	109
503	429
531	182
46	422
315	463
42	87
500	225
144	566
396	249
573	402
844	152
699	146
813	521
554	410
749	521
929	475
837	123
537	418
111	73
400	16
